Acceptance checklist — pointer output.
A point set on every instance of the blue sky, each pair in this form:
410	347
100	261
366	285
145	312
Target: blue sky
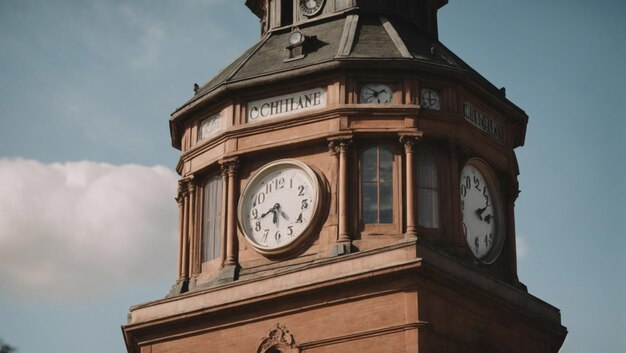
86	88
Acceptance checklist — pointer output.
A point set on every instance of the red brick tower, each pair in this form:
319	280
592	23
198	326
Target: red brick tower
348	184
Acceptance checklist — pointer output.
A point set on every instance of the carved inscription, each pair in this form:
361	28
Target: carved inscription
286	104
482	121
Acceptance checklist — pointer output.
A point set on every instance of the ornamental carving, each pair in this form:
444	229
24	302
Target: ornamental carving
278	339
338	146
409	141
230	167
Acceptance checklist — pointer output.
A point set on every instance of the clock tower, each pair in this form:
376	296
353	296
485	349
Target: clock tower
347	184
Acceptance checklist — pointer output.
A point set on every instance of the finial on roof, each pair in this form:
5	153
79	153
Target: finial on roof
196	88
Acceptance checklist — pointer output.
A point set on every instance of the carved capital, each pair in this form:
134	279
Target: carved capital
339	145
191	186
230	167
409	141
183	188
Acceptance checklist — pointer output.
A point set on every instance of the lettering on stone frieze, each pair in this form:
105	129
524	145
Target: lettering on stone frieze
286	104
483	122
210	127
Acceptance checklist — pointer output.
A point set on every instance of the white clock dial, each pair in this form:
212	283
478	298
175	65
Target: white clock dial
481	211
279	206
311	7
375	93
430	99
296	37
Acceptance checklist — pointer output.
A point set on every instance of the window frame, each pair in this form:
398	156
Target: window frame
373	229
443	193
218	251
437	189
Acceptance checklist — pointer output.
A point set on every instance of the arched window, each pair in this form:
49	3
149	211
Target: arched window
427	189
212	227
377	185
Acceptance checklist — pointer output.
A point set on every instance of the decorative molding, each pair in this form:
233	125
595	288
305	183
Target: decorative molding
278	339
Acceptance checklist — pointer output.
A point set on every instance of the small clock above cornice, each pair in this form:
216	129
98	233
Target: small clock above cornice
281	13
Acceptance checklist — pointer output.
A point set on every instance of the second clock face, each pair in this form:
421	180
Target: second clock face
481	212
375	93
279	206
430	99
311	7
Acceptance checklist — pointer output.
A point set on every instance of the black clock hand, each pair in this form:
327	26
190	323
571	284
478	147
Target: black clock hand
480	212
272	210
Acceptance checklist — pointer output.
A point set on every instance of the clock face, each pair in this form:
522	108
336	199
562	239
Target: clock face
375	93
481	209
279	205
295	37
430	99
311	7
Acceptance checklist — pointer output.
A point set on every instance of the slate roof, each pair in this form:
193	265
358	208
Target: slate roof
351	36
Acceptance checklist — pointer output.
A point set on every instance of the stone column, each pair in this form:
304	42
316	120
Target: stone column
411	225
182	282
185	248
231	213
224	221
180	199
340	147
193	234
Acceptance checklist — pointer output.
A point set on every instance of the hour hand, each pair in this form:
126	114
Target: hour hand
272	210
480	211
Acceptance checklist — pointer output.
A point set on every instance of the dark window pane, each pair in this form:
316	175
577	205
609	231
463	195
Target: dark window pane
427	193
386	165
370	203
369	165
211	231
386	206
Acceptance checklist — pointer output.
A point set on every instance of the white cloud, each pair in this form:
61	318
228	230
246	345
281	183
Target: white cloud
522	247
70	231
